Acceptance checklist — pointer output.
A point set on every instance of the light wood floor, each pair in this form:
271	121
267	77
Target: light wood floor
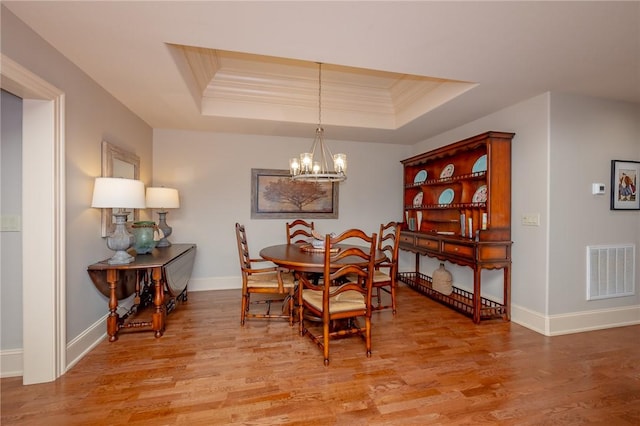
430	365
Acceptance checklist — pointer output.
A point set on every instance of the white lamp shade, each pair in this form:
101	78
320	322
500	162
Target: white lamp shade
118	193
162	198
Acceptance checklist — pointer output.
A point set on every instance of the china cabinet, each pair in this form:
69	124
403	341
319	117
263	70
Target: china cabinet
457	207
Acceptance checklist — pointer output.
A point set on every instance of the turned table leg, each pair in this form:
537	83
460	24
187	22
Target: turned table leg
112	319
159	314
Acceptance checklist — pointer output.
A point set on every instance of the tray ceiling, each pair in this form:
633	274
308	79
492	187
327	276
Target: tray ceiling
242	85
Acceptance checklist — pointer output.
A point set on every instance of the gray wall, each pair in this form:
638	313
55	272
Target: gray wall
212	172
563	143
11	205
586	134
91	116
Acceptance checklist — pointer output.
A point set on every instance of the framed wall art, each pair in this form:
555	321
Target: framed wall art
274	195
624	185
117	162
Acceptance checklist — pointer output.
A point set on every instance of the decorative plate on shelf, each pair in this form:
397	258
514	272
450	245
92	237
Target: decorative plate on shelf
480	196
480	165
446	197
447	172
417	200
421	176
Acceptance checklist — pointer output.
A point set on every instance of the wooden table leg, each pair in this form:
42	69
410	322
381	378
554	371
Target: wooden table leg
159	314
112	319
477	297
507	293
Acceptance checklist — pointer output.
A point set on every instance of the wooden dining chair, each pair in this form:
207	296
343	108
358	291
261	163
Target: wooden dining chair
299	231
385	275
270	280
336	303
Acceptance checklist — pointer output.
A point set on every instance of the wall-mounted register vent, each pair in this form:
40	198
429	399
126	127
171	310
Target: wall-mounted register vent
610	271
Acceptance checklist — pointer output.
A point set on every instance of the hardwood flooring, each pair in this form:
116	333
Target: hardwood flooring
430	365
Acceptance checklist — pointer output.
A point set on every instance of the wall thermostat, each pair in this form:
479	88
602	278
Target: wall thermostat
597	188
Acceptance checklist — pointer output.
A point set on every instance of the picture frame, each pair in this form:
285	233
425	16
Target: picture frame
624	185
274	195
117	162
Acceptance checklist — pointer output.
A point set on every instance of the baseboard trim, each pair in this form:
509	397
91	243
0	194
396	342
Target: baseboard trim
530	319
215	283
575	322
11	363
593	320
86	341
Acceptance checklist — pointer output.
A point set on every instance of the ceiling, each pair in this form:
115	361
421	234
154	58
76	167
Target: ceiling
394	72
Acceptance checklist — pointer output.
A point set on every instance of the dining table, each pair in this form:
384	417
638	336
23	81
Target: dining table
299	258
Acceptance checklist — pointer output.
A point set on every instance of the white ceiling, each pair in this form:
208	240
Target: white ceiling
507	51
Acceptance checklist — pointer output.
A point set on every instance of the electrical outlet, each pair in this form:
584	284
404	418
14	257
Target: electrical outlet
10	223
531	219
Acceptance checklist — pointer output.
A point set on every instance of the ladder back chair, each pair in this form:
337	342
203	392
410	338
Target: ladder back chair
337	302
385	275
299	231
270	280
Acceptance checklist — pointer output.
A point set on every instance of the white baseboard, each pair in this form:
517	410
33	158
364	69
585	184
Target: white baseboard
593	320
215	283
87	340
11	363
530	319
575	322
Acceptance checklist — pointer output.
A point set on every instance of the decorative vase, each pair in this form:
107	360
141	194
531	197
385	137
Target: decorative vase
143	233
442	281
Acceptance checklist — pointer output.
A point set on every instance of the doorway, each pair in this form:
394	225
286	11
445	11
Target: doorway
43	184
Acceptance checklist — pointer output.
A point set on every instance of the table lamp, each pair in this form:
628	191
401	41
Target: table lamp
120	194
162	199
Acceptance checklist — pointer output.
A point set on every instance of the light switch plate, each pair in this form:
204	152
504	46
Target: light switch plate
10	223
531	219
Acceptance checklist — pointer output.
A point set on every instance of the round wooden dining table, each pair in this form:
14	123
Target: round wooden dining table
292	256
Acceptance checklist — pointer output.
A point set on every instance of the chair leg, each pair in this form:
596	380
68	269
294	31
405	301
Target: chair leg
300	317
393	298
367	338
291	296
325	336
245	306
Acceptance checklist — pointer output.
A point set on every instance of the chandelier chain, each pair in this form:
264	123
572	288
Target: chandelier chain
319	94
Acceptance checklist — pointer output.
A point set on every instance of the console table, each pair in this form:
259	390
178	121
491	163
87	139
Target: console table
151	277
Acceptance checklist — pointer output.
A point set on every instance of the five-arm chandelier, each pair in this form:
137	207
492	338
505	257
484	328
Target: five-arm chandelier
314	165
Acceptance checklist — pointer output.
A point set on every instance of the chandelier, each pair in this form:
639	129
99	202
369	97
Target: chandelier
314	165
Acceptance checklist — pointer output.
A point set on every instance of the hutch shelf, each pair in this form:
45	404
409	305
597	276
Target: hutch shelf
457	207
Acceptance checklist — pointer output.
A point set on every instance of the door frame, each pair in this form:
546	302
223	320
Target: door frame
43	222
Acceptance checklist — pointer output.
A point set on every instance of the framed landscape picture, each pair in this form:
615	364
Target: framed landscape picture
624	185
274	195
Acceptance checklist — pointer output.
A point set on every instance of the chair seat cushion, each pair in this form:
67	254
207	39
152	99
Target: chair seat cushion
378	277
269	280
350	300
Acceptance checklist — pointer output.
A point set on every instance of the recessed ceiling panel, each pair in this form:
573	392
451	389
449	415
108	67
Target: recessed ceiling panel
242	85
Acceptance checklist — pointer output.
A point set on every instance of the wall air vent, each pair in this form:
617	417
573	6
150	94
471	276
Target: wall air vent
610	271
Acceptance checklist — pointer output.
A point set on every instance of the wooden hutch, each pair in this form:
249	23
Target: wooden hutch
457	207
